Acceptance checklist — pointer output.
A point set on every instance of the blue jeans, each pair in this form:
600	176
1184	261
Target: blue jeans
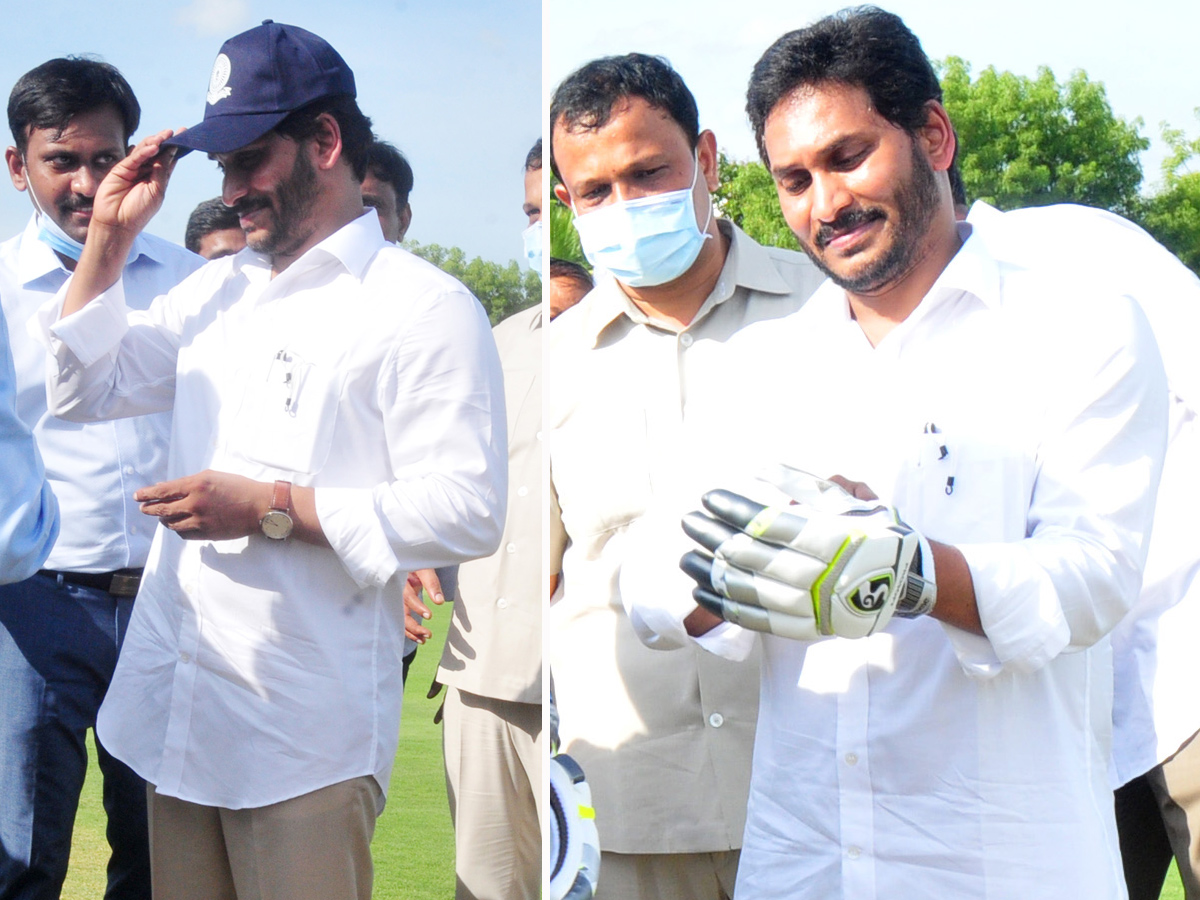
58	649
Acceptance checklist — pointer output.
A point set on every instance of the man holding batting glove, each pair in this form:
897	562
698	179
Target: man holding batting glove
935	713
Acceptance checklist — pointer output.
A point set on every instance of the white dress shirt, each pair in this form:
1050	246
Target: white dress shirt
255	670
28	510
1155	664
1023	421
93	468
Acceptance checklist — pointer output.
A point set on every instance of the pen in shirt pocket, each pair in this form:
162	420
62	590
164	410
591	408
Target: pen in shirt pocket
943	453
290	378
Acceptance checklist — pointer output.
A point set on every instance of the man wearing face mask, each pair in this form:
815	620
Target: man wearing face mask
664	735
61	629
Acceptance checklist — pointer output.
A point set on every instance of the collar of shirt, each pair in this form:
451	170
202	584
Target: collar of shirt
748	264
972	271
535	319
36	260
352	246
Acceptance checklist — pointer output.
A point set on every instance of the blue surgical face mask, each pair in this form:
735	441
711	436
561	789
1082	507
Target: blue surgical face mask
49	231
532	236
647	241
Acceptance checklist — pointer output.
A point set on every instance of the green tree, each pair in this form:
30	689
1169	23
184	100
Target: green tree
502	289
747	198
1032	141
1172	214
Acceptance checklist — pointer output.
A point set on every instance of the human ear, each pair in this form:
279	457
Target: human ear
328	141
706	154
16	168
937	137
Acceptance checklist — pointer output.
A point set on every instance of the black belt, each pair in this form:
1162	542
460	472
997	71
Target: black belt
121	583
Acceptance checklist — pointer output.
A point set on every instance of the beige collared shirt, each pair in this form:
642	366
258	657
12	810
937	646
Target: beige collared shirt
493	647
665	736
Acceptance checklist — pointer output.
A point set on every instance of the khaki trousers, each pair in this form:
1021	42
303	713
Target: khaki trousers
667	876
313	847
493	780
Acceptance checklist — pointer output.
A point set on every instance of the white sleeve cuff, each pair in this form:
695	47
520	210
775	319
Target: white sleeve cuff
90	333
1018	608
351	524
728	641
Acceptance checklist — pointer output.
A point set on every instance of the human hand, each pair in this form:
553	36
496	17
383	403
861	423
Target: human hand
421	579
134	189
805	572
214	506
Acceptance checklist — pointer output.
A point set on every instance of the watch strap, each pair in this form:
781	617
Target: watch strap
281	496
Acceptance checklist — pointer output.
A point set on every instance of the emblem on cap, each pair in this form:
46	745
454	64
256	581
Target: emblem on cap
217	83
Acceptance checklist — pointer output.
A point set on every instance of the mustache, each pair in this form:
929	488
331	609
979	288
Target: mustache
847	221
82	204
249	204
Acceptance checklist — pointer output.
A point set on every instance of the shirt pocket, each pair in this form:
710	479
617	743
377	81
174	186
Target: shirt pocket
967	490
287	418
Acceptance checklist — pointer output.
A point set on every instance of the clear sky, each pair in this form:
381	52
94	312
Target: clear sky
455	84
1144	53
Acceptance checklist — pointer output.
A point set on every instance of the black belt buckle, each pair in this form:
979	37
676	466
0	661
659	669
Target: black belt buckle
125	583
121	583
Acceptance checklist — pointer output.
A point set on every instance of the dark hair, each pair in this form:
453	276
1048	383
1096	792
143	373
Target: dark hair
862	47
388	164
533	159
958	190
564	268
51	95
584	101
357	138
211	215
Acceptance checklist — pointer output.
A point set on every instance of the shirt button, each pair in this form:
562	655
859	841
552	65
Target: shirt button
133	529
539	435
852	759
522	491
502	603
129	470
716	720
184	657
685	339
511	548
854	852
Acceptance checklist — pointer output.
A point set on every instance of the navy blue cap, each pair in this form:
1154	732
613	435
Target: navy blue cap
259	77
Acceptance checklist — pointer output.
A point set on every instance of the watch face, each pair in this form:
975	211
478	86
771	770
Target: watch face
277	525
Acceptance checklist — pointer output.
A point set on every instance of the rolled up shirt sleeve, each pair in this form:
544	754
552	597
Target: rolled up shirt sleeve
1077	574
28	508
106	360
441	394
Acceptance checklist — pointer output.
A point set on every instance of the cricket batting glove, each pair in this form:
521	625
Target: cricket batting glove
804	572
574	841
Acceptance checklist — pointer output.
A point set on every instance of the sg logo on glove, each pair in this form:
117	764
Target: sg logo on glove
828	565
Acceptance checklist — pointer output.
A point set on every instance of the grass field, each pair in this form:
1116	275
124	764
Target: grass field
414	842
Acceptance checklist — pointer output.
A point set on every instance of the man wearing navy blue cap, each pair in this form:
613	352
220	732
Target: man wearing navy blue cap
338	423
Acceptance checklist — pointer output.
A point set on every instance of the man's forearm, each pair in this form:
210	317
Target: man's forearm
99	266
956	604
221	506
